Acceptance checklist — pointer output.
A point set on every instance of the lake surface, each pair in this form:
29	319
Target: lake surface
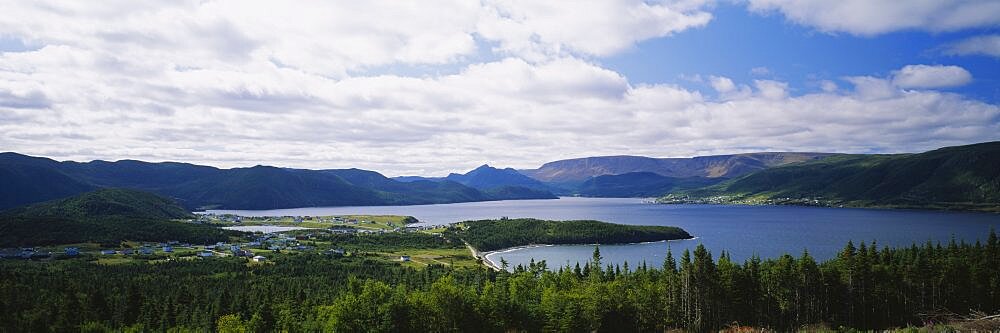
263	228
743	231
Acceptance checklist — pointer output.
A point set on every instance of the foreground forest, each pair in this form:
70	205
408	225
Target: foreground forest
864	287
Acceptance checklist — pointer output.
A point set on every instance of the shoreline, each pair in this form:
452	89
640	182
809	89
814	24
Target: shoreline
489	262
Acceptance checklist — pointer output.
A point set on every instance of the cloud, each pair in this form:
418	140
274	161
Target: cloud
235	83
924	76
535	28
988	45
874	17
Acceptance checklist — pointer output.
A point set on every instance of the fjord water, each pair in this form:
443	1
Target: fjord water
742	231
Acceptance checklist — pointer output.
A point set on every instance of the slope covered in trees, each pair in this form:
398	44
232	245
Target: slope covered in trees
864	287
104	216
490	235
962	177
29	180
639	184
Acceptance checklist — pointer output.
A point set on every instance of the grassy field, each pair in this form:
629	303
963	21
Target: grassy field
422	257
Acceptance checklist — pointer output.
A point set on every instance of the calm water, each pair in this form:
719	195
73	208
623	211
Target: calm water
743	231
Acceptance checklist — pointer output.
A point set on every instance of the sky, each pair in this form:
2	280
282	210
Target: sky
436	86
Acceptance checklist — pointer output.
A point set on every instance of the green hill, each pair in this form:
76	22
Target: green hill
491	235
639	184
962	177
103	216
26	180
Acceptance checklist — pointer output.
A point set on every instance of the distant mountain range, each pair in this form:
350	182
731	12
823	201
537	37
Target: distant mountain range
639	184
485	177
106	216
947	177
962	177
579	170
27	180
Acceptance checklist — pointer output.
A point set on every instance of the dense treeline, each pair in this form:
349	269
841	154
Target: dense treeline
865	287
490	235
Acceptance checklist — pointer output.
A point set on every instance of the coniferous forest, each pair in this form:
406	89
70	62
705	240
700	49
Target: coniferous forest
865	287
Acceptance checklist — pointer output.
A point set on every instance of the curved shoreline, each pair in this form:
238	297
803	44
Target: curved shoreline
489	262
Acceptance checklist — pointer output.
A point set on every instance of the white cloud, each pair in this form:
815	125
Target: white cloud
771	89
924	76
241	83
988	45
533	28
872	17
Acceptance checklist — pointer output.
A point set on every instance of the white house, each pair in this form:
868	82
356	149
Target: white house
259	258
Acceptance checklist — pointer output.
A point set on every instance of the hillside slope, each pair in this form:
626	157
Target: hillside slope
27	180
639	184
104	216
962	177
581	169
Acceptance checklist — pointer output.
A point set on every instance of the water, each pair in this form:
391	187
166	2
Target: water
768	231
263	228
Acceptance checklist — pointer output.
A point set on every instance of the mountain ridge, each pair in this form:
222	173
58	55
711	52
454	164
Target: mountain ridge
30	179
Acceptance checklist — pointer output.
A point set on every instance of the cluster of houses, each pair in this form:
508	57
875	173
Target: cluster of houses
24	253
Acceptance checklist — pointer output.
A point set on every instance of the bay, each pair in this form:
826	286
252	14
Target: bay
742	231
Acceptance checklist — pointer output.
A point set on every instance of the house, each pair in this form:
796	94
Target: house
205	254
71	251
168	249
234	248
128	251
404	258
298	219
259	259
335	252
243	253
107	252
146	251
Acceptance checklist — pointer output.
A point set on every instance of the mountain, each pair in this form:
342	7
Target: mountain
493	182
486	177
106	216
962	177
639	184
572	172
29	180
25	180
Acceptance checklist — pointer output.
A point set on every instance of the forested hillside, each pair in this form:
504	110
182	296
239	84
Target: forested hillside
963	177
29	180
106	216
864	287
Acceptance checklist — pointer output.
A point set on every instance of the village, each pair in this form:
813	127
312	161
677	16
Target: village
263	239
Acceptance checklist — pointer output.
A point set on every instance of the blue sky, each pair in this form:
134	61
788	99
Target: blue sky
437	86
738	40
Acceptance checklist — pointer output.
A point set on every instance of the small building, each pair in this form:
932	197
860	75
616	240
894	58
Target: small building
128	252
146	251
234	248
404	258
168	249
107	252
335	252
205	254
71	251
259	259
243	253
